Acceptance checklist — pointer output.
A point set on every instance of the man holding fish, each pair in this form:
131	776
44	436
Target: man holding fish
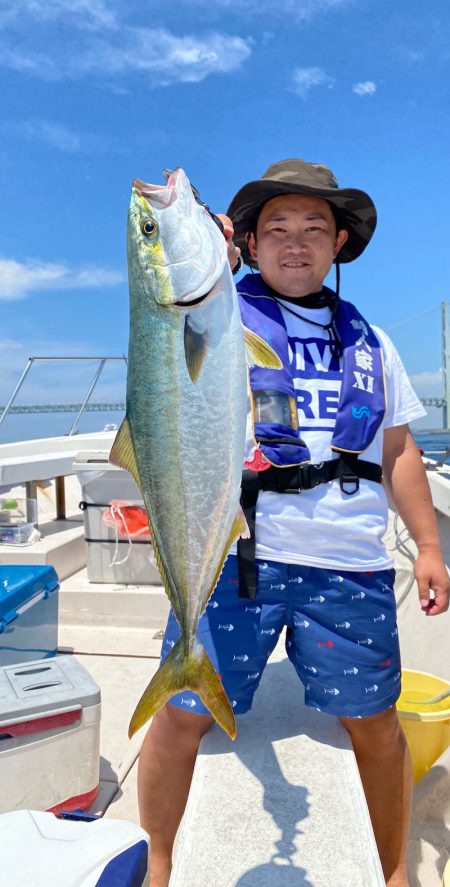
330	404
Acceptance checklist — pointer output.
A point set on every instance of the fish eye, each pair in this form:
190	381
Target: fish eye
149	227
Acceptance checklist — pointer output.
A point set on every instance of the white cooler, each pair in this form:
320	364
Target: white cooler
100	483
38	850
49	735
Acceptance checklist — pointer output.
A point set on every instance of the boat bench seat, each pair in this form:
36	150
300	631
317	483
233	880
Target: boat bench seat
26	462
281	805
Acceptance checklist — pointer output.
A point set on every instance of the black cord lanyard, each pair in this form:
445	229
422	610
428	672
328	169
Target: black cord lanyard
333	336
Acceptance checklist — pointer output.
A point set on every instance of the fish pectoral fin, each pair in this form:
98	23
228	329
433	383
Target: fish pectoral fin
195	347
182	671
123	453
259	352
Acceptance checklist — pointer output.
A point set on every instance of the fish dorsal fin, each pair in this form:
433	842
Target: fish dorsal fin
259	352
195	346
123	453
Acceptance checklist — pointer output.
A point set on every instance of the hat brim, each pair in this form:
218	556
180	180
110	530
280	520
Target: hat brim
355	208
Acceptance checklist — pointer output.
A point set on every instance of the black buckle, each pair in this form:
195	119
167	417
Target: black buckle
295	478
313	475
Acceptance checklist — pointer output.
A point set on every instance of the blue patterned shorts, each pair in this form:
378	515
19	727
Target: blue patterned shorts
341	637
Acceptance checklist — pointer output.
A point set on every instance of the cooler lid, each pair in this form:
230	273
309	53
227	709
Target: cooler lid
19	583
43	686
91	854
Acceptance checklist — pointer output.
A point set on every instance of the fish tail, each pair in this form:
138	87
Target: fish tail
182	671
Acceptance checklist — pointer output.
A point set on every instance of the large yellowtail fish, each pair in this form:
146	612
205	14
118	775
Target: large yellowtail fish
183	435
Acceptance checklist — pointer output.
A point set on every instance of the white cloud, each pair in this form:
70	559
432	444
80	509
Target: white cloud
366	87
303	79
17	61
170	58
167	58
85	14
19	279
46	131
428	384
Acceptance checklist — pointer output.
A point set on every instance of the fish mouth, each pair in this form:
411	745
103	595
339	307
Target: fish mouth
199	299
159	196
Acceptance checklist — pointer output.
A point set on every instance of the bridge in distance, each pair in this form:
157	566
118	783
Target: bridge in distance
119	406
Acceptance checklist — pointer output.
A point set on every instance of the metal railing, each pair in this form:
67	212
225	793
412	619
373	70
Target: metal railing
32	360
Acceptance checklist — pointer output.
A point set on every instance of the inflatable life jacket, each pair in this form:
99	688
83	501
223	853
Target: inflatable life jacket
281	460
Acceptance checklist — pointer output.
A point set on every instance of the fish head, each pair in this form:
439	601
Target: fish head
175	249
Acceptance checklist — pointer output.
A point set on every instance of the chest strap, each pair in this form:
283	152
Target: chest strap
348	469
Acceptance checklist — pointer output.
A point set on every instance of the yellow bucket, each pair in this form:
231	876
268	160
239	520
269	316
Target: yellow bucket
426	727
446	879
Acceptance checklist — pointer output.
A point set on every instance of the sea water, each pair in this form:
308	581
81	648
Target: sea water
433	443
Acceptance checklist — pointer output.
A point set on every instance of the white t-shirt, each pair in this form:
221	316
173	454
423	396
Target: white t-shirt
323	527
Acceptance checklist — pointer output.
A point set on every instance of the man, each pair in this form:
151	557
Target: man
324	424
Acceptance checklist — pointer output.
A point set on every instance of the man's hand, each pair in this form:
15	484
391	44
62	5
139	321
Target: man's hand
228	231
433	581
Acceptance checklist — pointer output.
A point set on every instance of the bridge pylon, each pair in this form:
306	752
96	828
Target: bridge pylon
445	325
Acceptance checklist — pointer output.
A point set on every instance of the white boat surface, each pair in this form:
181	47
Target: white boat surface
284	804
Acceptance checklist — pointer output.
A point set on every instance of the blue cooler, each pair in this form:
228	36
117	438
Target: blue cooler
38	850
28	613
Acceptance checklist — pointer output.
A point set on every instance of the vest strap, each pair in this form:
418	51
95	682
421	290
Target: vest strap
348	469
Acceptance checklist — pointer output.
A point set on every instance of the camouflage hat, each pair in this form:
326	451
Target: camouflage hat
354	209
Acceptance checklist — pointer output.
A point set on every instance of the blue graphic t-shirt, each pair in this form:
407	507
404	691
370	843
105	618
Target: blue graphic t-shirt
323	527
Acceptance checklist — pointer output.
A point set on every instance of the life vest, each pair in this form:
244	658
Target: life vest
281	460
362	402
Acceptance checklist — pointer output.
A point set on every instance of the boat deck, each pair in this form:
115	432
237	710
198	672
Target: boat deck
284	803
260	808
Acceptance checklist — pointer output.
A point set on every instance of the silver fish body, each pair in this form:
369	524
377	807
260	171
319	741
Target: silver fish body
184	433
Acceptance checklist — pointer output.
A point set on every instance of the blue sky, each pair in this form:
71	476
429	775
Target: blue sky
95	93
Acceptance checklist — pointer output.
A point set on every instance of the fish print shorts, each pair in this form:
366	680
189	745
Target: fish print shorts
341	637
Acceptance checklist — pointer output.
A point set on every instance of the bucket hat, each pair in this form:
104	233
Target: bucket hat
355	210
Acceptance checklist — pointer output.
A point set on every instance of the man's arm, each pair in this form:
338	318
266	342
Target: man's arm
405	477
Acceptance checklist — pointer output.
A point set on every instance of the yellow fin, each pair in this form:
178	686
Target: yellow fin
238	530
195	347
259	352
182	671
165	580
123	453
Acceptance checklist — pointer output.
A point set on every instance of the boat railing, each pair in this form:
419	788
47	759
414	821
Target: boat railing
440	466
81	407
443	459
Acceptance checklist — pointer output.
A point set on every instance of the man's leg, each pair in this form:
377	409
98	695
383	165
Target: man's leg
385	769
169	750
166	764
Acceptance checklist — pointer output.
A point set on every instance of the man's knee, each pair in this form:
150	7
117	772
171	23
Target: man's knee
378	734
172	724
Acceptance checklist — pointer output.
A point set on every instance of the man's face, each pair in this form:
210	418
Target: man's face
296	243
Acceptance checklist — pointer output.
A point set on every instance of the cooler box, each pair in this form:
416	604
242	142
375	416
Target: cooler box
49	735
28	613
100	483
38	850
